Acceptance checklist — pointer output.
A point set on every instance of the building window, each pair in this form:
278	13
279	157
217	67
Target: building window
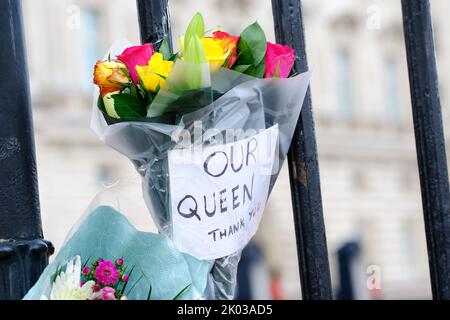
344	85
391	90
90	27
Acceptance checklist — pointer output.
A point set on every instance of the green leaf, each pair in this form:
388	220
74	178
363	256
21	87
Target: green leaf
241	68
277	71
101	104
182	292
257	71
195	28
164	49
173	57
128	106
56	274
149	292
252	45
134	285
133	89
85	263
125	285
190	101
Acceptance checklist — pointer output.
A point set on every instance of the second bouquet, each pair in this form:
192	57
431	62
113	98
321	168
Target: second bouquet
207	128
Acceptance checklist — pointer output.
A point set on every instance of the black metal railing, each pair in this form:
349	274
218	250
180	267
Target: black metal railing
430	142
304	167
23	253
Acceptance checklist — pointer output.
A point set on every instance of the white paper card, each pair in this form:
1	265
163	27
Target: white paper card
218	193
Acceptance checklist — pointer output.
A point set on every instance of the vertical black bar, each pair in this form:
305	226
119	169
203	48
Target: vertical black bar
304	167
154	25
430	142
154	21
23	253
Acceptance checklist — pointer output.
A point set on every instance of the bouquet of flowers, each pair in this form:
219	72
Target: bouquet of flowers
135	265
103	280
207	128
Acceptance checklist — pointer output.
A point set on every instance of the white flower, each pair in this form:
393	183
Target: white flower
67	284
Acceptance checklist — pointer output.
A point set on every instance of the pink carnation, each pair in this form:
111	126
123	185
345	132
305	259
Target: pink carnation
279	58
106	273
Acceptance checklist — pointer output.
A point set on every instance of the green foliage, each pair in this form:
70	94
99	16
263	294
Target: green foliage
128	106
256	71
165	51
252	50
188	101
182	292
241	68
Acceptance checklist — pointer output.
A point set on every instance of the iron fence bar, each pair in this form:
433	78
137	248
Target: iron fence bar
23	253
430	141
304	167
154	24
154	21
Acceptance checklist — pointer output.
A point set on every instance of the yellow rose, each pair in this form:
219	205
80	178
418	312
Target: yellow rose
154	74
215	52
110	76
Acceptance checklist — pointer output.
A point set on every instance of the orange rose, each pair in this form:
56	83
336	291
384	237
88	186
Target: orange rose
229	44
110	76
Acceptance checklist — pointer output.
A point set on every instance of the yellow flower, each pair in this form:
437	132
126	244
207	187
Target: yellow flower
154	74
216	52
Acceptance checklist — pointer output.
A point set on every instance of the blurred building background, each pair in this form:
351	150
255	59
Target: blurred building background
360	93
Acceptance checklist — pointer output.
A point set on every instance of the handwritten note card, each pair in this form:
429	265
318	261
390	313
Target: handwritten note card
218	193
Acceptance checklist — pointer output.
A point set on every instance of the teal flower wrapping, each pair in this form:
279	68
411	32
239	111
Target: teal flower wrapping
106	233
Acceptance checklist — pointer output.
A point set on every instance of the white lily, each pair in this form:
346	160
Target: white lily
67	284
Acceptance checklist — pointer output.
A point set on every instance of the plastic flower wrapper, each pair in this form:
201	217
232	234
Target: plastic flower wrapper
209	155
159	270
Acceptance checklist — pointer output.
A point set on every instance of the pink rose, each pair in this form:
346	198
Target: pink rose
108	293
279	58
136	56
